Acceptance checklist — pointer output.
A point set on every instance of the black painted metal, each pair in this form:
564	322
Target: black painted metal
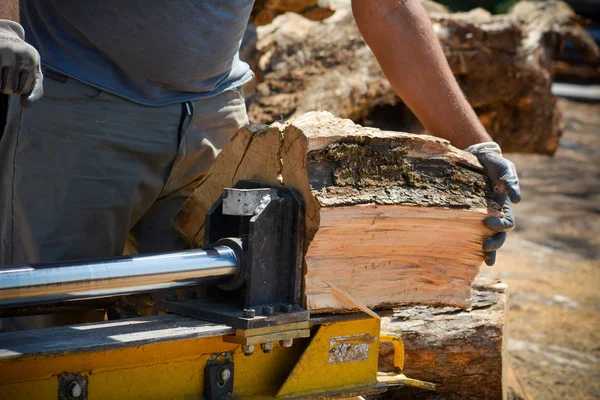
214	387
275	248
65	386
271	267
230	312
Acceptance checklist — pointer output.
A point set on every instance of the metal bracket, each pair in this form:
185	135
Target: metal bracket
265	226
274	235
271	239
244	202
393	379
218	380
72	386
232	313
397	378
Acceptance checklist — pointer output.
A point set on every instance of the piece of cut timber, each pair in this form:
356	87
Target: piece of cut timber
391	218
462	351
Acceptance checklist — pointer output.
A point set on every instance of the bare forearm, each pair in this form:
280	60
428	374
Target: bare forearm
9	9
401	36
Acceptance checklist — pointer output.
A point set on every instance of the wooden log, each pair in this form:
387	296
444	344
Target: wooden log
504	64
462	351
391	218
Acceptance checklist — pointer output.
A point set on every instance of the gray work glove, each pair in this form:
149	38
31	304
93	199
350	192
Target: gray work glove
20	71
503	176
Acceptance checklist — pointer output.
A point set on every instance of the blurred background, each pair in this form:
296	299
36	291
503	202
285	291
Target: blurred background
551	262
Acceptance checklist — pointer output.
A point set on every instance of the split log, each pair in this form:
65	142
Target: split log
391	218
504	65
462	351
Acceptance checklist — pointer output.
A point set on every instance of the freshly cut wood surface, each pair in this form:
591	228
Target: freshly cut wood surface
391	218
391	255
462	351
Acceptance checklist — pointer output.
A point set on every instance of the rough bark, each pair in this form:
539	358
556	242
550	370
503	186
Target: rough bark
462	351
504	65
391	218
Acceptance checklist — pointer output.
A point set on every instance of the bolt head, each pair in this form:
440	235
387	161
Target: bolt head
287	342
172	297
267	347
74	390
287	307
249	313
224	374
248	349
268	310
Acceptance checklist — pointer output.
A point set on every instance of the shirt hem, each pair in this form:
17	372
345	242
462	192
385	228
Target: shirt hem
191	97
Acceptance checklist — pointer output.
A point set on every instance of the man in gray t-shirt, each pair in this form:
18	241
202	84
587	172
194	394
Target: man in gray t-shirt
140	96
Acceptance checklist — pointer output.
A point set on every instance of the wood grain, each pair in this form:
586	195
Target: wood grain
391	255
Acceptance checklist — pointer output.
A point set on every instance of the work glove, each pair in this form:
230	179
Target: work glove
505	183
20	71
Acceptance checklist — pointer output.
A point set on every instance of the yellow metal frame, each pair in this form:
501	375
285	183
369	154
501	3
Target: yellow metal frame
269	334
339	360
397	378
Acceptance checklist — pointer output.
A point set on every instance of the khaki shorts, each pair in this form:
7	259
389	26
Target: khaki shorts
82	169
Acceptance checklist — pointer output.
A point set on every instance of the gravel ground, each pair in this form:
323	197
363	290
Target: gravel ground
551	263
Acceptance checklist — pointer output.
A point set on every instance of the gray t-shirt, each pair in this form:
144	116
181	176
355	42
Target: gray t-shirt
153	52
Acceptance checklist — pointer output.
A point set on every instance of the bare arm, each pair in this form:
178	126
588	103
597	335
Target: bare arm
9	9
400	35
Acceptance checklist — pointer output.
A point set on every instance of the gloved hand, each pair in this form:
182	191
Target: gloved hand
20	71
503	176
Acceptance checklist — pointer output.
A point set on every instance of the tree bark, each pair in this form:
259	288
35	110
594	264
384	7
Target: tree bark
504	64
462	351
391	218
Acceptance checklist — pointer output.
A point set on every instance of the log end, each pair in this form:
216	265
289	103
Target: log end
462	351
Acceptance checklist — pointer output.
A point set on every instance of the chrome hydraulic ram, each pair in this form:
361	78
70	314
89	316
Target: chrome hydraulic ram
77	280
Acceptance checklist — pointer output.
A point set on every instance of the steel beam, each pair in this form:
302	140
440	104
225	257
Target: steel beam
77	280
